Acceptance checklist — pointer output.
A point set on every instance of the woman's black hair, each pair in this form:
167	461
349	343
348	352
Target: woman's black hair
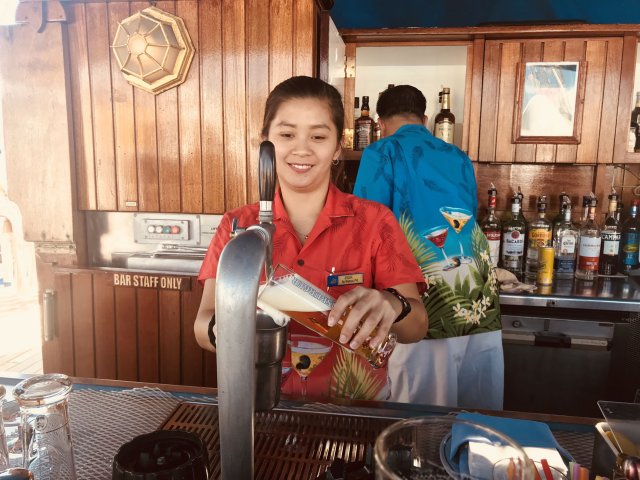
304	87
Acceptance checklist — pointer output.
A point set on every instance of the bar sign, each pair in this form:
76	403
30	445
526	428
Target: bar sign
162	282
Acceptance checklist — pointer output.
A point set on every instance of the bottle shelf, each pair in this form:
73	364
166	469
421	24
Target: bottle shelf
354	155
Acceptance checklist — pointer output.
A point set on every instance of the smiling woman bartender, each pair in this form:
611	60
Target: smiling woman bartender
321	231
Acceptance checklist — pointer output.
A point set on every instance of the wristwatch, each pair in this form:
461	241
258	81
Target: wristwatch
406	306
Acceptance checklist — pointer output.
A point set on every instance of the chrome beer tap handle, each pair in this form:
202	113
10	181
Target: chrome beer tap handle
267	188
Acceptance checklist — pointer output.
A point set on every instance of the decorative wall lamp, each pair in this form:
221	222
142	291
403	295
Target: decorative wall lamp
153	49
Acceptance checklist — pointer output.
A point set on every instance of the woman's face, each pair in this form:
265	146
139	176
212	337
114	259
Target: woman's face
306	143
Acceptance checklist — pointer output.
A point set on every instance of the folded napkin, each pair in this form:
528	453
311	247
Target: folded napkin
509	282
470	450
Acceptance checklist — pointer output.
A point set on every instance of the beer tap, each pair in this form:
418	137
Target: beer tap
241	263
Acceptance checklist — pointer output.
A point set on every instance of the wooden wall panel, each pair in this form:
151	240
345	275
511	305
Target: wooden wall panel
104	314
596	57
574	50
234	94
192	355
627	77
531	52
148	335
257	84
475	103
81	105
552	51
101	105
611	91
509	61
189	118
57	353
126	333
83	325
490	95
168	137
192	148
170	331
211	54
602	57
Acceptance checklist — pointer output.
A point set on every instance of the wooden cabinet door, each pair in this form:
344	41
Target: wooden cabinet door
102	330
603	61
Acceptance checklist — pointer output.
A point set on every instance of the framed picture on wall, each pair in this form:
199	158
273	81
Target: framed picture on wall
549	102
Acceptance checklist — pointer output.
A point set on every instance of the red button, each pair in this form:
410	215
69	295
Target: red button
175	229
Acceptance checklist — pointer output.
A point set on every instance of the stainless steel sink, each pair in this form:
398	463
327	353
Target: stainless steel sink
183	262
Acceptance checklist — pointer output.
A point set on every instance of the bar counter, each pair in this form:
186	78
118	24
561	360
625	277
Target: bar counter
107	413
619	293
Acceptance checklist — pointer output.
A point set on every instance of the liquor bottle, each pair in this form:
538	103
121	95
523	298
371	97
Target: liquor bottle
630	241
565	241
635	119
619	211
589	246
376	124
363	127
514	234
540	232
445	121
356	109
564	200
492	227
610	245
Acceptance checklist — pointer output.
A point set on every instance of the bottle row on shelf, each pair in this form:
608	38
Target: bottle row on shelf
367	130
529	248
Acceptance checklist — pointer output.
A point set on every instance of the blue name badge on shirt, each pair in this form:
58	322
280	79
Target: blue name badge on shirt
334	280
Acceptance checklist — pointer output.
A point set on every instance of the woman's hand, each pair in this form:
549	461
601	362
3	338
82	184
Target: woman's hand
371	311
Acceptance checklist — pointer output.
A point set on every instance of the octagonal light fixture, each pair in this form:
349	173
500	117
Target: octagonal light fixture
153	50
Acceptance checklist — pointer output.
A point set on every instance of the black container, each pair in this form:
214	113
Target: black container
162	455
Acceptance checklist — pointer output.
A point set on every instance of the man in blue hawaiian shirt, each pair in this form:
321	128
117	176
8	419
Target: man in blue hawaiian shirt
430	186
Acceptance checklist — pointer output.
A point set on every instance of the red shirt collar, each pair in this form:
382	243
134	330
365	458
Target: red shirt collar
337	204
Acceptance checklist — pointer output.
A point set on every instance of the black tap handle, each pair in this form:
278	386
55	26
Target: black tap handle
267	171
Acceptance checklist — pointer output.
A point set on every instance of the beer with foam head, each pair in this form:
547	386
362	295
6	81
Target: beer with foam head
292	295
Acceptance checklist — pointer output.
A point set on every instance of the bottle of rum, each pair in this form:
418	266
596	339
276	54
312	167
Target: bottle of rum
540	233
445	121
364	127
589	246
610	245
635	121
514	235
630	241
565	242
492	227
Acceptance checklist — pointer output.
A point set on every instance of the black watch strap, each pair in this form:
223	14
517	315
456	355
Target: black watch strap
212	337
406	306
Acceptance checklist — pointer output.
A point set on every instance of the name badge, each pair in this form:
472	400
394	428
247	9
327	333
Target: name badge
334	280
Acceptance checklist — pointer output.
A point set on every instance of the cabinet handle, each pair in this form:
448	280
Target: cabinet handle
49	302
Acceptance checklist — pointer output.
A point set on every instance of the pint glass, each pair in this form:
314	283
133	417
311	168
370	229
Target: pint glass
290	294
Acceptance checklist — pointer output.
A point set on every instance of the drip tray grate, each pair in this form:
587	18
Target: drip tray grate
302	444
299	445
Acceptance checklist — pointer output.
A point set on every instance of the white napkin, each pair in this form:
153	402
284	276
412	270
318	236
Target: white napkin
482	458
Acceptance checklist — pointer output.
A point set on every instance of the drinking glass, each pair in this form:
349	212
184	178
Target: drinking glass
438	236
307	352
4	452
424	447
288	293
457	218
46	433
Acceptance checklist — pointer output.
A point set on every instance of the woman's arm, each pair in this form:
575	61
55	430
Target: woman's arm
205	314
371	309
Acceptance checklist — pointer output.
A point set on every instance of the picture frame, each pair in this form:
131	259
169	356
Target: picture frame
549	102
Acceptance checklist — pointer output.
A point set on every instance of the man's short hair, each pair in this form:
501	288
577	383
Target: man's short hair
401	100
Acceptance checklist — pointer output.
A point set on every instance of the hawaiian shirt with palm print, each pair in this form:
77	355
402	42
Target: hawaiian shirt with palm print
430	186
352	238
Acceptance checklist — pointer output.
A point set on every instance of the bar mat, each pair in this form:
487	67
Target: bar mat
103	420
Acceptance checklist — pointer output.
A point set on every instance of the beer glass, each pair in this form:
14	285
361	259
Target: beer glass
4	452
290	294
46	433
